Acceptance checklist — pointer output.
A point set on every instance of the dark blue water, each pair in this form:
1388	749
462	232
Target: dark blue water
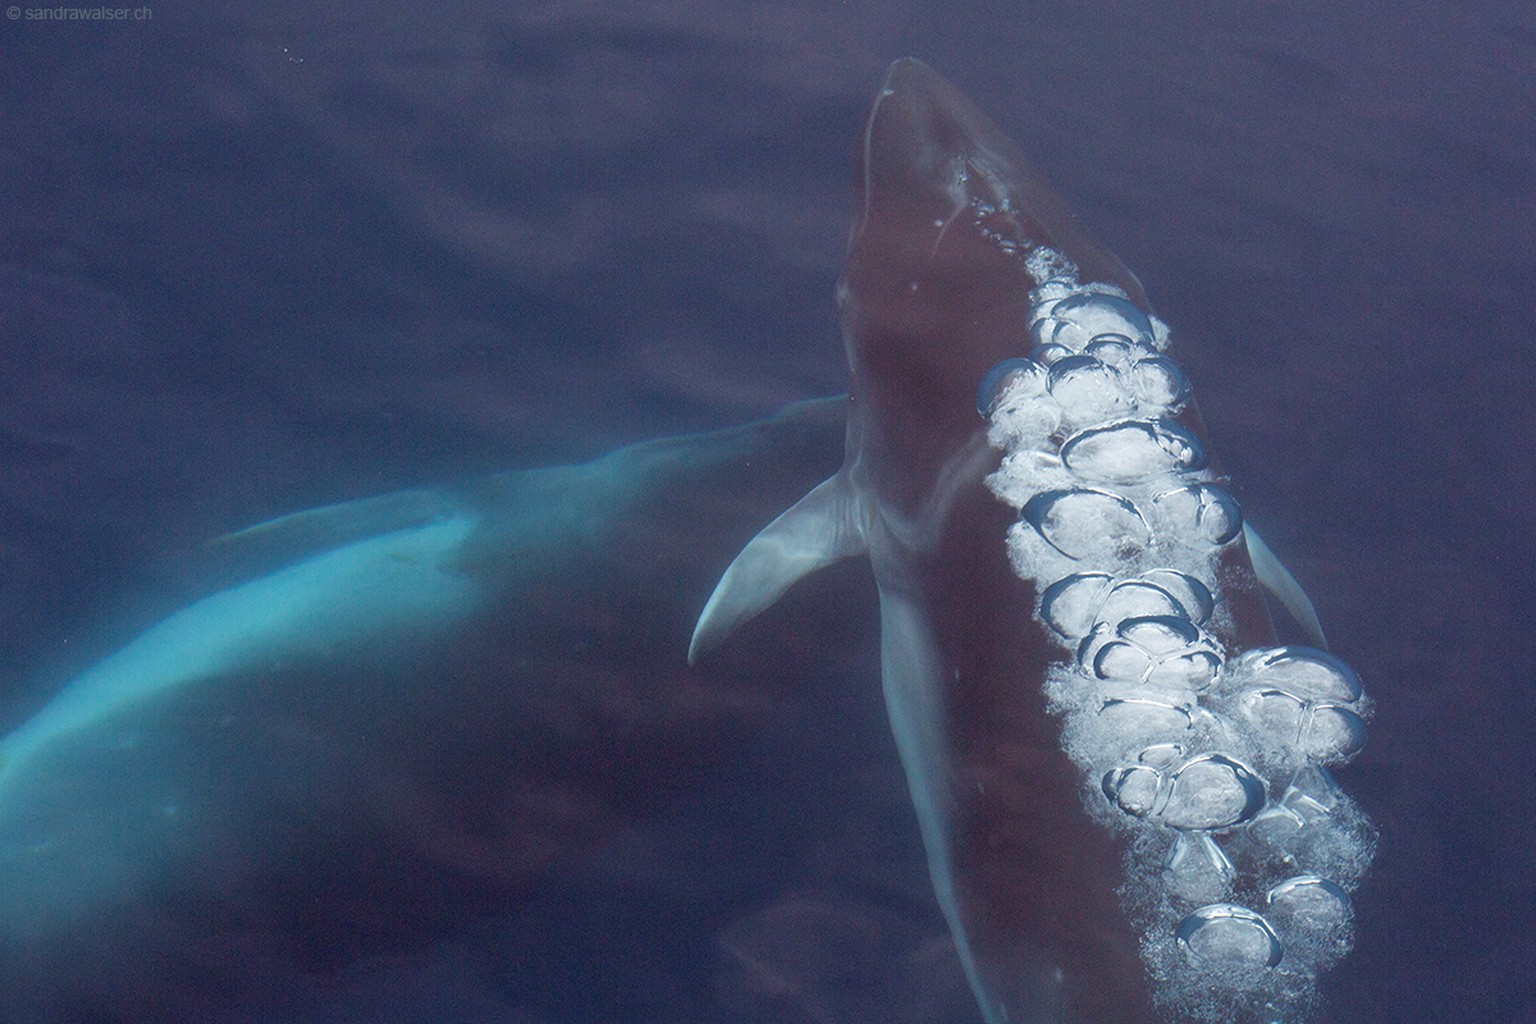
255	262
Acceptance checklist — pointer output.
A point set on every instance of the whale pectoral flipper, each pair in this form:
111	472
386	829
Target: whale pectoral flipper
821	528
1277	579
911	677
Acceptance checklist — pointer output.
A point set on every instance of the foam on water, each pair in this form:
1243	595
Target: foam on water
1242	849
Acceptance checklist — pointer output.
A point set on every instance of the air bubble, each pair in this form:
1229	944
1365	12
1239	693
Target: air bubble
1139	716
1087	523
1302	670
1115	350
1193	595
1136	790
1012	380
1161	755
1315	825
1122	661
1050	354
1071	605
1309	902
1132	451
1158	385
1194	670
1278	825
1049	292
1213	792
1108	728
1291	725
1139	598
1198	514
1227	935
1025	471
1312	796
1088	391
1333	734
1174	737
1077	319
1160	634
1277	715
1157	650
1197	870
1042	304
1205	794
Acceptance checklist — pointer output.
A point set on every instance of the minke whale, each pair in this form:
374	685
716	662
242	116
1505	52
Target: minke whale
1121	778
401	715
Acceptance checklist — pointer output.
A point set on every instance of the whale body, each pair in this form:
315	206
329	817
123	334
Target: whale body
426	699
1121	780
415	708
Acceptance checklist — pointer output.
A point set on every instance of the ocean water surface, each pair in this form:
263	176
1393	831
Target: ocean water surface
257	261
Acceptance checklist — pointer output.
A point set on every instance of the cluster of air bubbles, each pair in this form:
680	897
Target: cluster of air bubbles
1213	761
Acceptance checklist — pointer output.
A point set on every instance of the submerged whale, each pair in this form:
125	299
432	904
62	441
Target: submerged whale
1120	777
412	709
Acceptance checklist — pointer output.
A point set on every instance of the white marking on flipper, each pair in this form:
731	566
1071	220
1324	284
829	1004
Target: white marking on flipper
1277	579
823	527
